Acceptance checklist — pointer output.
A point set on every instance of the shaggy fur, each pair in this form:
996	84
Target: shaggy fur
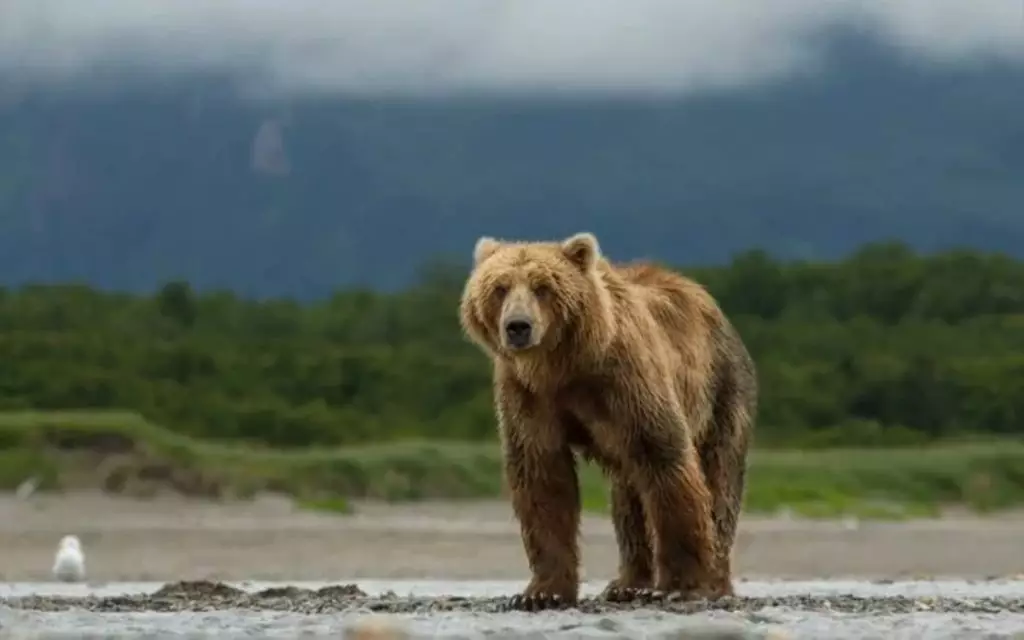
636	368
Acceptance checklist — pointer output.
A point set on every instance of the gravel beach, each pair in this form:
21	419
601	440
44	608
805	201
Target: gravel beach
805	609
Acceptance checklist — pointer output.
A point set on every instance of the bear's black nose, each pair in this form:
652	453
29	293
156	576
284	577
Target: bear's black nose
518	333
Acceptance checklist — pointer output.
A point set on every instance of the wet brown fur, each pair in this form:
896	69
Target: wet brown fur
636	368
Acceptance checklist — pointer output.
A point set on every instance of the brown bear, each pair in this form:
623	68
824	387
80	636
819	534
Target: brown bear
634	367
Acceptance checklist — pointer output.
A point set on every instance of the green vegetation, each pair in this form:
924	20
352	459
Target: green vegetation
371	394
123	453
887	348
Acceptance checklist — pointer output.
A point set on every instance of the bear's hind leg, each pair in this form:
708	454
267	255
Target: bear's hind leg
723	458
677	504
636	573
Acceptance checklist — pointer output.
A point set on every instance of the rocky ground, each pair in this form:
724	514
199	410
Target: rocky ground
808	610
199	596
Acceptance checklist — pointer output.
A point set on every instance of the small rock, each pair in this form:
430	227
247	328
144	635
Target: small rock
375	628
27	488
713	631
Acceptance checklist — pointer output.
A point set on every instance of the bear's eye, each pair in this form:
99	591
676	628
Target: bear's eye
541	290
500	290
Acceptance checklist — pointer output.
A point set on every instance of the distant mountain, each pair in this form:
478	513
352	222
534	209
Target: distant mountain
127	183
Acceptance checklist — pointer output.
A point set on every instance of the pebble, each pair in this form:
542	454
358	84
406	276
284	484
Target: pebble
375	628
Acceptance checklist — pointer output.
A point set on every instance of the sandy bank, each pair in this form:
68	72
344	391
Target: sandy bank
268	539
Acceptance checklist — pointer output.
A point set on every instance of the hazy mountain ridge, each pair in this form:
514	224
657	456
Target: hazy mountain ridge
137	182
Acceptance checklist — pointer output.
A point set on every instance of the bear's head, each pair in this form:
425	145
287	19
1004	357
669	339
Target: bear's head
528	297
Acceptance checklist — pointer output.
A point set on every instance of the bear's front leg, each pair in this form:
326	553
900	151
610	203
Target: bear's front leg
677	503
546	501
636	574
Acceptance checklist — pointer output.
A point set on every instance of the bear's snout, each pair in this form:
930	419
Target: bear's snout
518	332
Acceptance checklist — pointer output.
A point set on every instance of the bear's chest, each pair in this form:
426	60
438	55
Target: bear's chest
589	424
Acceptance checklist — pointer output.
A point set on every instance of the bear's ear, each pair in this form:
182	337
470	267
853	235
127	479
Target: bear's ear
485	248
582	250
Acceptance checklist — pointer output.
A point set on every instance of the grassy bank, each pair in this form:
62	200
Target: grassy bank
123	453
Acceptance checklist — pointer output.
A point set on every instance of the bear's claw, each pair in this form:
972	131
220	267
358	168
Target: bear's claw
623	594
643	594
539	601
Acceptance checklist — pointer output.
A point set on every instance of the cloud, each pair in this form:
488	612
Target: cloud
416	46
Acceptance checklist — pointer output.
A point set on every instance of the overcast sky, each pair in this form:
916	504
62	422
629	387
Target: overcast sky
407	46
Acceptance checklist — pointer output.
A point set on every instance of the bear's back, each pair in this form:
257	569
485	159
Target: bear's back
696	341
681	306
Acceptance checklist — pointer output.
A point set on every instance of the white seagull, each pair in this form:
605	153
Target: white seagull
69	563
